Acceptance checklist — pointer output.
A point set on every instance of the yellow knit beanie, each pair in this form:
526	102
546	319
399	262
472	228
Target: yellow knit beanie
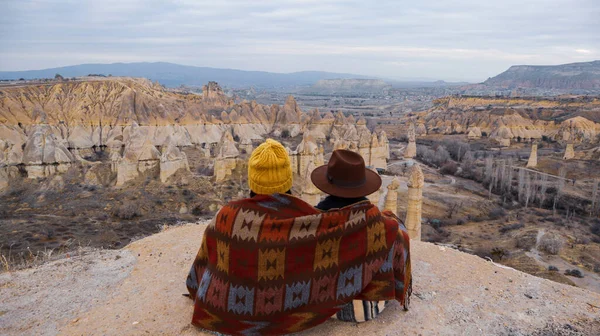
269	169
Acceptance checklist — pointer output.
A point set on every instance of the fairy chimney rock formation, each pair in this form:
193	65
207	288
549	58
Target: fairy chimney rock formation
246	146
569	152
416	181
172	159
213	94
474	133
411	148
421	130
532	162
139	156
391	199
226	159
45	154
307	151
310	193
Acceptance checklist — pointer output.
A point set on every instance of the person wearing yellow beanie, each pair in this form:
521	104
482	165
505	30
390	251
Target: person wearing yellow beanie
269	169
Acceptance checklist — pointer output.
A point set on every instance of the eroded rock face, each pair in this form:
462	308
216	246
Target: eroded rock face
411	149
3	178
139	156
391	198
129	118
45	154
171	160
524	118
474	133
226	159
416	181
532	162
569	152
577	130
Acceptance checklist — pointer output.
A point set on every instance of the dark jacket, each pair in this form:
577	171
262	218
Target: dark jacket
334	202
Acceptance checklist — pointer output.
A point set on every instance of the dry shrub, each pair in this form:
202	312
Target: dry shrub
575	273
127	211
511	227
449	168
551	243
497	213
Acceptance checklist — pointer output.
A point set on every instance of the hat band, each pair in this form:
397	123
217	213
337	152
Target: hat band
346	184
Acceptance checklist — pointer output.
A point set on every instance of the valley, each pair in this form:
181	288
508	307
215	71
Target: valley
100	162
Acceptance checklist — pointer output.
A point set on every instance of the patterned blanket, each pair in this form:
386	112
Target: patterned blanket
273	265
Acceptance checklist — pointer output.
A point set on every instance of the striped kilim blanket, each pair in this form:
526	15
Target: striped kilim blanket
273	265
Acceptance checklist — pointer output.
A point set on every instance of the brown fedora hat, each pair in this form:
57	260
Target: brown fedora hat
345	175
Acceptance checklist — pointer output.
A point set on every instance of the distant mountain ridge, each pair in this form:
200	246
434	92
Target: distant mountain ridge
172	75
573	76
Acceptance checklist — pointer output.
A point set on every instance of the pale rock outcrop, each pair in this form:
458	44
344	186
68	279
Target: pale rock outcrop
307	151
421	130
213	94
307	156
139	156
205	151
115	157
10	154
226	159
320	128
383	140
374	197
340	144
12	135
532	162
416	181
569	152
3	178
45	154
246	146
577	130
7	174
114	138
310	193
379	151
172	160
411	149
99	175
474	133
391	198
502	136
364	146
288	117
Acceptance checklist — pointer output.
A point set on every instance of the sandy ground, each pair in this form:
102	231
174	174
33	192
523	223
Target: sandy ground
138	291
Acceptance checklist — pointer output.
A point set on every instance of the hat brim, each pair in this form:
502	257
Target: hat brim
320	180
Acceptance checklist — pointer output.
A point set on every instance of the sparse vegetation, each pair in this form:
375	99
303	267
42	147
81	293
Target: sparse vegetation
511	227
449	168
574	273
127	211
497	213
551	243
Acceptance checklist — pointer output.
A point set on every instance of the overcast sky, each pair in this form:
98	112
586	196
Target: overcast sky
457	40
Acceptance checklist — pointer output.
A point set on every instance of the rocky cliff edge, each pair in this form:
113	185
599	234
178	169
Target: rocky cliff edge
138	291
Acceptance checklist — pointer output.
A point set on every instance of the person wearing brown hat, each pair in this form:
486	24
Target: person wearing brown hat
347	181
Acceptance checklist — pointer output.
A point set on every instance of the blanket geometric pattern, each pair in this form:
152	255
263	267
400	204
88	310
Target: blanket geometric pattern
273	264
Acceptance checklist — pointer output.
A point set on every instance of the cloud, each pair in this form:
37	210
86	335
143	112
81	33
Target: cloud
462	39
